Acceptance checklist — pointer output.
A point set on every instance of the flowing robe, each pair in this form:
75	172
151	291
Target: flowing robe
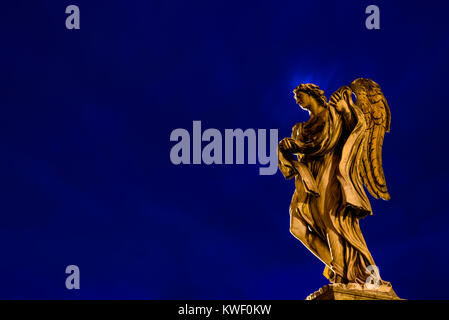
329	197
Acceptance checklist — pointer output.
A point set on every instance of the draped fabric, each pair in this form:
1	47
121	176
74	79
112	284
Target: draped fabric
330	148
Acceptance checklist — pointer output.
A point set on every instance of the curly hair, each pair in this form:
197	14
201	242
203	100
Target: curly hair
312	90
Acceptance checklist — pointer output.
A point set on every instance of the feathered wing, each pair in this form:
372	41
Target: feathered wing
370	99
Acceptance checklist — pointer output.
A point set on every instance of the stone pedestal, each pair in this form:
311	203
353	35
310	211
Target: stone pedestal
354	291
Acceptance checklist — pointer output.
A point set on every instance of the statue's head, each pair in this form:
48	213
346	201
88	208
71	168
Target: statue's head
307	93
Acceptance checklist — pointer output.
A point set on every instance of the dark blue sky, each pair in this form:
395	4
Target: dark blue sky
86	116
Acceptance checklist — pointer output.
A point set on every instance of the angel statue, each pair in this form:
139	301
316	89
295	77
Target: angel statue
331	157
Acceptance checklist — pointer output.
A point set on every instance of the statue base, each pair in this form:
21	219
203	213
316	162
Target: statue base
354	291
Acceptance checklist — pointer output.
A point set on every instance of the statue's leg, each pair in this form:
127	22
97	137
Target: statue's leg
314	243
336	245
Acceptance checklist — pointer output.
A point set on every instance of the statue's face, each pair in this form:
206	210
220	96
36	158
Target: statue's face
303	100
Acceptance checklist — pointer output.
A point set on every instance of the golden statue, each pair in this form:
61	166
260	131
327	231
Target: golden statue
331	156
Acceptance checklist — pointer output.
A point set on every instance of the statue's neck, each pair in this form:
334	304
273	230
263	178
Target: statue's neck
315	109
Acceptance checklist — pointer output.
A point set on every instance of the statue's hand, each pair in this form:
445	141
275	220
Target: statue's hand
289	145
340	104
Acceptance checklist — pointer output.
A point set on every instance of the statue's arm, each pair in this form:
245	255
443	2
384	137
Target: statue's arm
288	146
310	141
349	119
286	161
287	149
340	100
294	147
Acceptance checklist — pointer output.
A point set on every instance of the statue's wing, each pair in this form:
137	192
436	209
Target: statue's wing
370	99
